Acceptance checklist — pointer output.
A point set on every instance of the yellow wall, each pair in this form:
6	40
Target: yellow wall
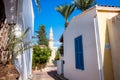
107	63
114	33
104	39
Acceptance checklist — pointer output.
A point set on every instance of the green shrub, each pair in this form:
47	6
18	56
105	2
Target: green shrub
40	55
57	55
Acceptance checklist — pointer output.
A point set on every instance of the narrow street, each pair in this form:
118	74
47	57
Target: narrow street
49	73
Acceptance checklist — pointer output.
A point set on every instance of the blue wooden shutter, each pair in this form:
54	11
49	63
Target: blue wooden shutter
79	60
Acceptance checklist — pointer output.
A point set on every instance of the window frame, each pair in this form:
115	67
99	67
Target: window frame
79	54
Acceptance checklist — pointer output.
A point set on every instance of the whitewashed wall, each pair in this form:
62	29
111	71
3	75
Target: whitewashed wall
21	13
28	21
82	24
25	19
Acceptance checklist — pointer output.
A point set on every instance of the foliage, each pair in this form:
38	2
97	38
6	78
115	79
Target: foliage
41	52
38	4
16	44
59	52
61	49
40	55
84	4
65	10
41	35
57	57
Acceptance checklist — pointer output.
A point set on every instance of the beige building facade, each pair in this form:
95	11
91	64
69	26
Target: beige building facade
114	37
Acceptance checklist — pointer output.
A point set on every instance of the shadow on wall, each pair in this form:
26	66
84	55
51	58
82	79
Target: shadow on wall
107	63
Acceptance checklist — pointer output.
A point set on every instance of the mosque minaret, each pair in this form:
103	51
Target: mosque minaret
51	39
51	46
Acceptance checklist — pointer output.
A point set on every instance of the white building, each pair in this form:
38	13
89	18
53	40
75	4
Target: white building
90	45
52	47
20	12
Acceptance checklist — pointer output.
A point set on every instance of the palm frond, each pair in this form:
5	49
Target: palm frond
16	45
38	4
65	10
23	35
13	41
84	4
22	47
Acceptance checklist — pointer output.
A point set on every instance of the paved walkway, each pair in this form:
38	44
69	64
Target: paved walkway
46	74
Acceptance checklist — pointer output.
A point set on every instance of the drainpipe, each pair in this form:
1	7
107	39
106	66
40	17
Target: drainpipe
99	54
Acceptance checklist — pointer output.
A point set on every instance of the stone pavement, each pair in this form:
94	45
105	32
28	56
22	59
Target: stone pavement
46	74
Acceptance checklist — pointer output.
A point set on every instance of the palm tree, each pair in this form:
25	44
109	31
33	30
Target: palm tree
3	29
38	4
84	4
65	11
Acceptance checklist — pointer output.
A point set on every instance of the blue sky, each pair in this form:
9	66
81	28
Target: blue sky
51	18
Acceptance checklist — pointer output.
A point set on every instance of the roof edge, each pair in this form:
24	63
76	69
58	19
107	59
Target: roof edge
107	8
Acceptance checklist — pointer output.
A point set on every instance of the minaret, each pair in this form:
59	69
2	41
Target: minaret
51	46
51	40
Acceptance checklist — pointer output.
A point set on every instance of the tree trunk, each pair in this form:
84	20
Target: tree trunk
66	24
3	33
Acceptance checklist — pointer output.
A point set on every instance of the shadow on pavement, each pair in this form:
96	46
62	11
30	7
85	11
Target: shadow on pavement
53	74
